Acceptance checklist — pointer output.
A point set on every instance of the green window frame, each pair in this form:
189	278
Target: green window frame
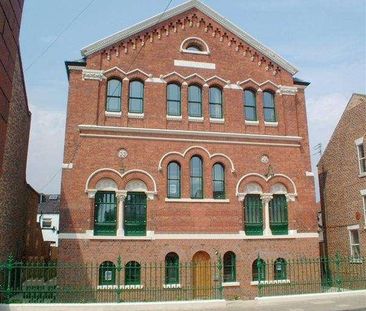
278	214
229	267
218	180
173	99
172	268
132	273
107	273
135	206
194	101
105	215
136	97
196	169
250	105
215	100
114	93
280	269
259	270
174	180
269	107
253	214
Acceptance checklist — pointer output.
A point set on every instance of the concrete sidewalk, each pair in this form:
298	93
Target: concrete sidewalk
343	301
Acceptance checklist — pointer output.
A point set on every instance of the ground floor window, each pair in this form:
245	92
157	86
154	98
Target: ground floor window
253	214
135	214
229	267
258	270
278	215
133	273
107	273
171	268
355	243
280	272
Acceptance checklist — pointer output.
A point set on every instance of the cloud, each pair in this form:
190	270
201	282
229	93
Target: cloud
46	149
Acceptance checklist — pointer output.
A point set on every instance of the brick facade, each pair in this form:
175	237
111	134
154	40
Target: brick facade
341	182
152	141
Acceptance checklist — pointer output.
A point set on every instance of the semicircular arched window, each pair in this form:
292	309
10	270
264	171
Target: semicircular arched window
269	107
229	267
172	268
195	101
250	105
196	177
174	180
216	111
280	267
107	273
194	45
173	99
136	97
218	179
132	273
114	91
259	270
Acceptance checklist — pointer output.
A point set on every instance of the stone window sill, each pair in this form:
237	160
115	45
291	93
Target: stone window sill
195	119
255	123
230	284
356	260
256	283
214	120
174	118
271	124
172	286
189	200
362	174
132	115
120	286
113	114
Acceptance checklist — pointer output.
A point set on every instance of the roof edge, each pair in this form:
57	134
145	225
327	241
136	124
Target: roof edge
127	32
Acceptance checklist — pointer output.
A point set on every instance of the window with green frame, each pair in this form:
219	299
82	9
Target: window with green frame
173	99
258	270
278	214
105	216
279	267
133	273
250	105
229	267
135	206
172	268
269	108
218	180
215	96
194	101
107	273
114	91
196	177
174	180
253	214
136	97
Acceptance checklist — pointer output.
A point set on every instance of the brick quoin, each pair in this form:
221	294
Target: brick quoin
91	149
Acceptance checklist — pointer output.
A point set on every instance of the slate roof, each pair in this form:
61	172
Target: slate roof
49	204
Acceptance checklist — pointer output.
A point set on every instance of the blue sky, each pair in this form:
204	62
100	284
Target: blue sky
325	40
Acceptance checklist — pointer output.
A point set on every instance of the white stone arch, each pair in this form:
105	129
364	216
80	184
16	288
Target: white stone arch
253	188
201	41
278	188
106	184
195	147
136	185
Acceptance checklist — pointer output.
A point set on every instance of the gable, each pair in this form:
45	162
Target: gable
242	41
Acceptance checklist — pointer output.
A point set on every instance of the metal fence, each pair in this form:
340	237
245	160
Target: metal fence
29	282
310	275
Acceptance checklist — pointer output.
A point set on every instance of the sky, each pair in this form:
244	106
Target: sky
324	39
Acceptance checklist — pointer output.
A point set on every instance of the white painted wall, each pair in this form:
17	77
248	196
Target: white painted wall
47	233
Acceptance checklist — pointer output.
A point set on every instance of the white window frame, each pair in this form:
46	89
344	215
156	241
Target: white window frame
356	228
363	195
44	220
360	142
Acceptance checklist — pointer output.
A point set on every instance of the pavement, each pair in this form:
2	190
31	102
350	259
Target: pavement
344	301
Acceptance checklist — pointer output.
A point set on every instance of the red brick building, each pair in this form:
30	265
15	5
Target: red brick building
186	139
342	180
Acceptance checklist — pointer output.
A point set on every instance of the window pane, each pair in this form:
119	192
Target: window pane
194	93
268	99
196	187
136	105
173	92
114	104
355	237
216	111
196	167
174	108
195	109
136	89
249	98
114	88
215	95
250	114
269	115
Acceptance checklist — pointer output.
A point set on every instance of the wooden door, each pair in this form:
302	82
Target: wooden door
202	275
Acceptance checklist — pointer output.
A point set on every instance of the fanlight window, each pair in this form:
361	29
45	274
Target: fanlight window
194	45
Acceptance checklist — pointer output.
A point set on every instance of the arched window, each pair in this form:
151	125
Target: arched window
269	107
250	105
107	273
278	214
253	214
229	267
174	178
171	268
136	97
258	270
194	101
114	91
280	272
196	178
216	110
193	47
218	180
132	273
105	215
173	100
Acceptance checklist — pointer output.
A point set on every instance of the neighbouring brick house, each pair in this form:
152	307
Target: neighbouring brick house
186	139
342	180
18	200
